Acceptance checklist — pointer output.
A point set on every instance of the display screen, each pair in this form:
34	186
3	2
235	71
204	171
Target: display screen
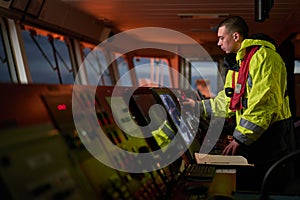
176	118
171	104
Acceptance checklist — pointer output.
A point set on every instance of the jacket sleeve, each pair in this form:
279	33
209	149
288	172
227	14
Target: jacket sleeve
219	105
265	98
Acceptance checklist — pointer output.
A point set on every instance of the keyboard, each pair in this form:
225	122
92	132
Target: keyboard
200	172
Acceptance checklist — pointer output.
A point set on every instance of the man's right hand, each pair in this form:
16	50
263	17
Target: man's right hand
194	104
189	102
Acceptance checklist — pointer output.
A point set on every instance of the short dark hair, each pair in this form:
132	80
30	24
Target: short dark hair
235	24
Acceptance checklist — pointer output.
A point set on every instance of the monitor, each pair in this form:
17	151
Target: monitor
143	102
183	123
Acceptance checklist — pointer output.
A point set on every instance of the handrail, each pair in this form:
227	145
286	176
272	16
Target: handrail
264	191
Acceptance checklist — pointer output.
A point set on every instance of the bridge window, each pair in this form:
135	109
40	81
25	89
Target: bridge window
98	73
123	70
4	68
47	56
152	72
297	67
204	76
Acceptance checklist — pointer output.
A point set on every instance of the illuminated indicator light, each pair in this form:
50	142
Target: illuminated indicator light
61	107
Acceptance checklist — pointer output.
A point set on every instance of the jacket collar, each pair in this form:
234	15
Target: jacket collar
250	42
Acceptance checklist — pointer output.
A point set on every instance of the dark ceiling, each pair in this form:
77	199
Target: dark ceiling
195	18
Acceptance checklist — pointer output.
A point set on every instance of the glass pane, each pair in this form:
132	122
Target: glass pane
297	67
96	65
204	76
4	69
152	72
123	68
64	61
41	58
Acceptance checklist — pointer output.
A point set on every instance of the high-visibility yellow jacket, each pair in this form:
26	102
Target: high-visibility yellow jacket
265	95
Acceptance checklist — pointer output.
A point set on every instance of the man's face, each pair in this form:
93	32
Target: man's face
226	41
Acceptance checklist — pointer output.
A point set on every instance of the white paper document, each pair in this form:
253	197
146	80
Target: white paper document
221	159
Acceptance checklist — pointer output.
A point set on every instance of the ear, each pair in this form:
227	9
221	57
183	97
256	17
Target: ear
236	36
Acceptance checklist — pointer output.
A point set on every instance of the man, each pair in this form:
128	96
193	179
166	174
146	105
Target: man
255	91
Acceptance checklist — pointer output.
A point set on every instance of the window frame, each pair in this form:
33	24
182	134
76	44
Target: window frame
14	77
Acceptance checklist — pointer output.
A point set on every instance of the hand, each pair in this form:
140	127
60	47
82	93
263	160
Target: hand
231	148
189	102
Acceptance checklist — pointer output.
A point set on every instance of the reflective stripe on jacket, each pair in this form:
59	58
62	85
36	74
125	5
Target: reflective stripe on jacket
265	93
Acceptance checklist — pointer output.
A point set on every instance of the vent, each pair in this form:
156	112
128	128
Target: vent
202	16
